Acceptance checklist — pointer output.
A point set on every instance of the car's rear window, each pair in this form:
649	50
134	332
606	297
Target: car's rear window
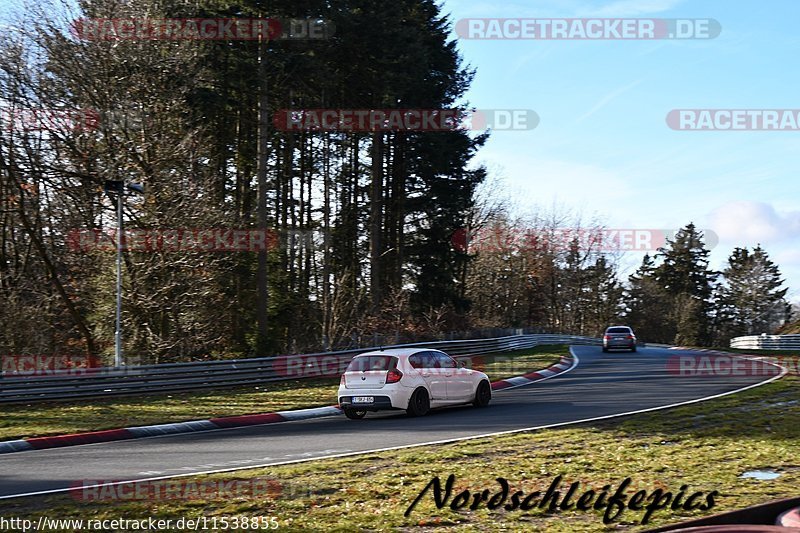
618	330
372	362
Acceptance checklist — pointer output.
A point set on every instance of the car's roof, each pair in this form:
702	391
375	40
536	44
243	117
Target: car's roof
397	352
610	327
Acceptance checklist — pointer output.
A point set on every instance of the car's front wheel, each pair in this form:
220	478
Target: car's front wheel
483	394
355	414
420	403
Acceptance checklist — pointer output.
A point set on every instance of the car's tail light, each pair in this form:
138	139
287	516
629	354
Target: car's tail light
341	381
393	376
606	337
630	337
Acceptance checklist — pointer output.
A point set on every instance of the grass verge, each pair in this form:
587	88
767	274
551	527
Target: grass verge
42	419
706	446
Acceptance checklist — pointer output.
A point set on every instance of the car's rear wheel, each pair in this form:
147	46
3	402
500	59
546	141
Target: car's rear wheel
420	403
633	349
605	350
483	395
355	414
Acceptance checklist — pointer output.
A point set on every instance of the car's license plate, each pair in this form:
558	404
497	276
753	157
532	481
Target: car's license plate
363	399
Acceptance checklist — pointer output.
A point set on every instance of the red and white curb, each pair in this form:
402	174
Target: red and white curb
702	350
93	437
561	366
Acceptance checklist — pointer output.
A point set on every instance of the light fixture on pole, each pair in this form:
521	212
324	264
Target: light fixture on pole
119	187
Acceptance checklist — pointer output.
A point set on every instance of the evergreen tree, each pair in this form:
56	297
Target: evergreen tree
751	300
385	203
683	267
648	304
603	297
684	276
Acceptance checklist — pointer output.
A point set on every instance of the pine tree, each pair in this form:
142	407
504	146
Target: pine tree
603	297
751	299
648	304
685	277
684	265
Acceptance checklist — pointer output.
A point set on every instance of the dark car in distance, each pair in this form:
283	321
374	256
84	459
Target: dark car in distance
619	337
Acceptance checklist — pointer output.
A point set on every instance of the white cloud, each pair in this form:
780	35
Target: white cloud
746	223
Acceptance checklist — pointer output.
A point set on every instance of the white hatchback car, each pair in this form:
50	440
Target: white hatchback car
412	379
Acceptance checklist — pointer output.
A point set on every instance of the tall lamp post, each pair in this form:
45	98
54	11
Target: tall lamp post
119	187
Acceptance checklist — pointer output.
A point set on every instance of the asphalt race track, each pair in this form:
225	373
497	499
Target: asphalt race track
600	385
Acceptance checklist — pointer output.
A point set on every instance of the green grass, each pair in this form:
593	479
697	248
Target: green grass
706	446
41	419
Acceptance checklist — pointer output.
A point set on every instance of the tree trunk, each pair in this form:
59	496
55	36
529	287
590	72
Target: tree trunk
262	295
376	219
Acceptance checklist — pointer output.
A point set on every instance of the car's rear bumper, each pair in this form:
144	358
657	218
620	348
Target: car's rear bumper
392	396
620	346
379	403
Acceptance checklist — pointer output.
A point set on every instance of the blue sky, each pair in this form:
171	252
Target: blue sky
602	146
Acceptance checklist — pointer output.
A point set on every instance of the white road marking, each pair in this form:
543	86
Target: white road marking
348	453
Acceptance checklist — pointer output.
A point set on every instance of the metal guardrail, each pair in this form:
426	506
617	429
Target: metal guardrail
767	342
177	377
